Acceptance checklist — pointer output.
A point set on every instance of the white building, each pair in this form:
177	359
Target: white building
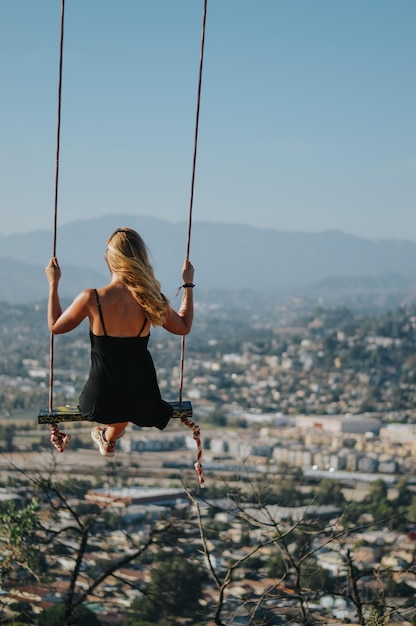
339	423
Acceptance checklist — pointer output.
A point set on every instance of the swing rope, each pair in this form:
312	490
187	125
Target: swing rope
191	201
186	421
59	440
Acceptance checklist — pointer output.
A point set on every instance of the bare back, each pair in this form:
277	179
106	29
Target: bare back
123	316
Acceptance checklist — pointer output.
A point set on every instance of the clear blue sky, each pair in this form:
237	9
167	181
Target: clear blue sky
308	115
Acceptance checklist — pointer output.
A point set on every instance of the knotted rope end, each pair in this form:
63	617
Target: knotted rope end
59	440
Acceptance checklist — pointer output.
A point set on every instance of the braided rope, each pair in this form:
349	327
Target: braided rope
197	438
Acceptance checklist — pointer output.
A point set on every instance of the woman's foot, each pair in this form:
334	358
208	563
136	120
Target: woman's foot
107	448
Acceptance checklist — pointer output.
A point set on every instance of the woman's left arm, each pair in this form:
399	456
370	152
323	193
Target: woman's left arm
58	321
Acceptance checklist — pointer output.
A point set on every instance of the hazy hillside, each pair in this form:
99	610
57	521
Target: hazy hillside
21	283
226	256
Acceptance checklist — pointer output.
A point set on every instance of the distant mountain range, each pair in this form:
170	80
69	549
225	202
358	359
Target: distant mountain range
226	256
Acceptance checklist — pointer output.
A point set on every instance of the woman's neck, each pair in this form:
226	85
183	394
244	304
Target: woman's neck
115	278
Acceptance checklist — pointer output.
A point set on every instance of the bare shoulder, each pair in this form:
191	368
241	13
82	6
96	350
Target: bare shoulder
85	299
87	295
85	302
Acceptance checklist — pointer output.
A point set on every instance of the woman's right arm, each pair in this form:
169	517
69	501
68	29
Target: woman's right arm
180	323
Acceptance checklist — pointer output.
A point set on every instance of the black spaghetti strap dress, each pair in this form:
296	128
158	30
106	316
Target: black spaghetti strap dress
122	383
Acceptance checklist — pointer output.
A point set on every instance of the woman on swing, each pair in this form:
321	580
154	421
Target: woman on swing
122	384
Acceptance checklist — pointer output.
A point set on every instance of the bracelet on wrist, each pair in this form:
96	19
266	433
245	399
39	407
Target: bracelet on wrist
185	286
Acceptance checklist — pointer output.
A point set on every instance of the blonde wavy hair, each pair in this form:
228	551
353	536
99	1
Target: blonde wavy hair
127	256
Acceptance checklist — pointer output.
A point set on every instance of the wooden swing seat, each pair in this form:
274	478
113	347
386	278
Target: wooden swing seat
71	413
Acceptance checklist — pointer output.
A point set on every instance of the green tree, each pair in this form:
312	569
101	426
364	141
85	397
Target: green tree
379	505
54	615
404	494
7	434
378	491
329	492
277	566
18	527
174	591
